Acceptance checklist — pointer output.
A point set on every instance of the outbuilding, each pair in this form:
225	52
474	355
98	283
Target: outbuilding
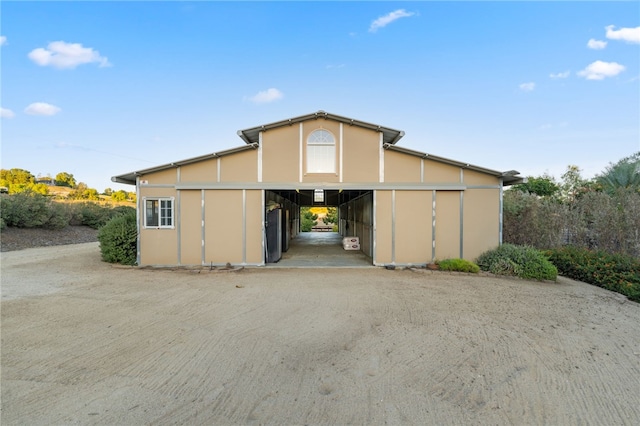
241	206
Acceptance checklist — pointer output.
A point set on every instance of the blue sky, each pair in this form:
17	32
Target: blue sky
98	89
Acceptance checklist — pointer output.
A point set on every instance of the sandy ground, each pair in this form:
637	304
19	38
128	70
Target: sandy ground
84	342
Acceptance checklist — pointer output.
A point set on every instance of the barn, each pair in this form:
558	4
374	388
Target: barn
242	206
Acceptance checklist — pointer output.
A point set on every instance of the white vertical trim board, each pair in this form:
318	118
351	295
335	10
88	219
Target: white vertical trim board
219	162
500	213
260	157
433	226
393	227
301	143
178	225
381	158
264	228
461	224
341	151
244	226
138	218
375	238
202	221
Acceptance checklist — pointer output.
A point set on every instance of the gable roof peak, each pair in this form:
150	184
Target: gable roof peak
252	135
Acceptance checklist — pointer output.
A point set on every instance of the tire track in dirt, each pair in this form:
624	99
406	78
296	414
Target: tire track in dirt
263	346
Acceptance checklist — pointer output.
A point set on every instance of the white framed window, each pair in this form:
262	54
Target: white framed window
158	213
321	152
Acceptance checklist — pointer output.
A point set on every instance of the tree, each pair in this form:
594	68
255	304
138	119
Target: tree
543	186
108	192
307	219
332	215
83	192
573	185
119	195
623	174
65	179
16	176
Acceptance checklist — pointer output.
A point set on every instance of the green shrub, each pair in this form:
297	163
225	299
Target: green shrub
459	265
616	272
95	215
118	239
521	261
32	210
59	216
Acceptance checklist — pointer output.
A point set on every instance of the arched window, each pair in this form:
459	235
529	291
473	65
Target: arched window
321	152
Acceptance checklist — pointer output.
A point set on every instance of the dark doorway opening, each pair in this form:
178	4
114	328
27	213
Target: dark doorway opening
324	245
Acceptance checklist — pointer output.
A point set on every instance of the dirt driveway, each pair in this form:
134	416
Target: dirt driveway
84	342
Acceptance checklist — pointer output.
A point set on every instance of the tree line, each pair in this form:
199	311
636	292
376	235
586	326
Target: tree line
602	213
16	181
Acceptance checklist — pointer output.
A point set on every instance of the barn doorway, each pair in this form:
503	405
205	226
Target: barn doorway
320	244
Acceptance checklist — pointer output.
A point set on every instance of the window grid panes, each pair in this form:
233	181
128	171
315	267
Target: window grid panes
158	213
321	152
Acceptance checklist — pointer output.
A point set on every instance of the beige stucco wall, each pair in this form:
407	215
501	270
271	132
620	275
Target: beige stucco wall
159	245
383	227
413	227
481	221
203	171
239	167
223	226
254	227
360	155
471	177
281	154
190	227
435	172
447	224
399	167
168	176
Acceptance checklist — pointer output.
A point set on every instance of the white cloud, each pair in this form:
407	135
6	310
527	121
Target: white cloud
42	108
599	70
60	54
560	75
3	40
631	35
6	113
527	87
266	96
385	20
596	44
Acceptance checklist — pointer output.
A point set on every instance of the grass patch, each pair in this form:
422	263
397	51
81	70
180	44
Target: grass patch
458	265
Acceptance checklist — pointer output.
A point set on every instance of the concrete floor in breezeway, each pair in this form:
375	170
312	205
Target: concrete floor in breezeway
320	249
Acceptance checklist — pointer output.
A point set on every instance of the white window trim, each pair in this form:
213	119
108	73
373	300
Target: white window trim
318	144
159	199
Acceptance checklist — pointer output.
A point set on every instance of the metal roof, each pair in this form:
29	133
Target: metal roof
390	136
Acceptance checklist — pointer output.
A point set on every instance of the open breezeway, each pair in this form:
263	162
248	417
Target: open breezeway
84	342
321	249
